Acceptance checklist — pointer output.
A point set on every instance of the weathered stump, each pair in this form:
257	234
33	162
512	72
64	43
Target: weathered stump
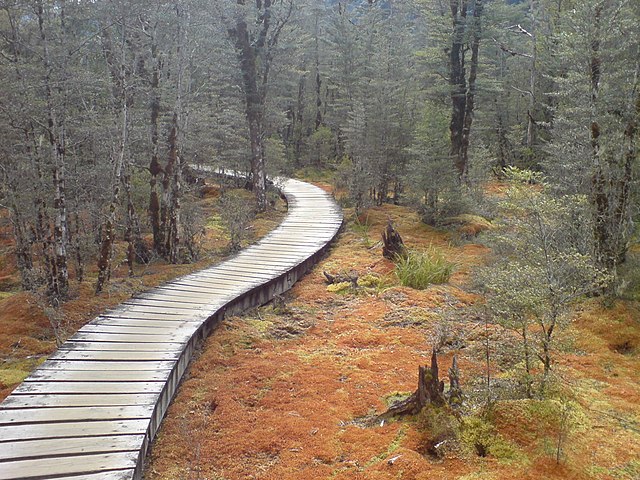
455	395
430	391
393	247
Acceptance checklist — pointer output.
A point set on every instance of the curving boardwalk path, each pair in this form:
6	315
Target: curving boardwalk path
91	410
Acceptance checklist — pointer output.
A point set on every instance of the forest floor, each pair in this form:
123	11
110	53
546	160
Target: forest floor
26	334
284	392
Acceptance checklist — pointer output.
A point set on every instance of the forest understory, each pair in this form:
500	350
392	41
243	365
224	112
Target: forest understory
29	324
501	138
291	390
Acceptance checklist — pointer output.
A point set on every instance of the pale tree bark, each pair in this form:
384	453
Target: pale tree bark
59	279
174	169
123	100
108	228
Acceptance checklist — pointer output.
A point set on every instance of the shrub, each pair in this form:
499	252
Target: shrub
236	214
421	269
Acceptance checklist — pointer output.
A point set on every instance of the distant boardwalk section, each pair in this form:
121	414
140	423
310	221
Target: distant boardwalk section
91	410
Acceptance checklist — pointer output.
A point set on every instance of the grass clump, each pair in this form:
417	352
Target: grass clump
421	269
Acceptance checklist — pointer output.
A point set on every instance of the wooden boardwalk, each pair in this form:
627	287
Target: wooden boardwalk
91	410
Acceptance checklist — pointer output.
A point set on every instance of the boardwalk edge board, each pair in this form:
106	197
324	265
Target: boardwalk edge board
93	408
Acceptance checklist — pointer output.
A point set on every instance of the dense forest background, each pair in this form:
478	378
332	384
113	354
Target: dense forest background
107	106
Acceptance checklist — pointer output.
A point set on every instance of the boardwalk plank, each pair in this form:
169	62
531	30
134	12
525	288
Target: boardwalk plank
86	464
72	429
77	400
95	388
65	414
68	375
113	355
101	365
110	346
55	447
175	337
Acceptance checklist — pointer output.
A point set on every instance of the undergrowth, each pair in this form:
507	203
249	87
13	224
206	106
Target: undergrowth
421	269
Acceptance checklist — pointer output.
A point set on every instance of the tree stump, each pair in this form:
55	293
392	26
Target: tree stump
430	391
393	247
455	396
332	279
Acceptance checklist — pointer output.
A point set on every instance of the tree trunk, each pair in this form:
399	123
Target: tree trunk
462	90
108	230
527	359
254	108
24	258
255	55
174	186
458	82
155	169
319	117
470	94
533	78
59	279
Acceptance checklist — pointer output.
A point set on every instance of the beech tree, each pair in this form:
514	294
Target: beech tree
543	264
255	31
594	146
465	37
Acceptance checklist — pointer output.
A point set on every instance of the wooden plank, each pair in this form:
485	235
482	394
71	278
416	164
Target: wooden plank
113	355
78	400
141	322
218	298
104	346
216	285
113	475
206	286
164	310
98	376
172	303
18	416
248	278
105	365
54	447
285	250
125	337
128	329
221	279
52	467
282	242
240	268
130	314
72	429
96	388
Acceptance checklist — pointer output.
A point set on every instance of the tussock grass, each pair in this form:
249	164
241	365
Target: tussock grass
421	269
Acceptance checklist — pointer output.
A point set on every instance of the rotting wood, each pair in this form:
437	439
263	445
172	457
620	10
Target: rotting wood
393	245
430	391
